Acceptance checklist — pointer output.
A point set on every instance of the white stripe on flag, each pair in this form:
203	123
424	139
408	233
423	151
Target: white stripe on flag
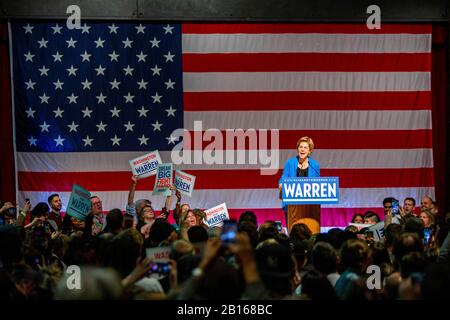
312	120
305	81
328	159
333	43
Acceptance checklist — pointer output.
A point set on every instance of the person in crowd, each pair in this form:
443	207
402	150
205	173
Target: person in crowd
428	218
357	218
54	201
324	259
371	217
409	207
354	256
99	219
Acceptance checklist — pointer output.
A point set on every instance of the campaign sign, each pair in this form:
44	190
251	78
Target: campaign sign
378	230
360	226
163	181
79	203
320	190
184	182
146	165
158	254
216	215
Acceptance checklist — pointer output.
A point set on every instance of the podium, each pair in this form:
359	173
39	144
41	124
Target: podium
308	214
302	197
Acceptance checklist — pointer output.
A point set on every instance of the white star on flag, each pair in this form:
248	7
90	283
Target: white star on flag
100	70
28	29
155	42
140	28
30	112
44	70
86	112
42	43
128	98
172	139
169	56
57	56
142	112
156	98
156	70
71	43
73	126
115	112
59	141
101	98
32	141
101	126
142	140
87	141
171	111
44	127
113	28
129	126
86	84
58	113
142	84
86	56
115	140
44	98
114	56
58	84
127	43
30	84
114	84
56	29
85	29
72	71
168	29
128	70
169	84
72	98
157	126
29	56
99	42
141	56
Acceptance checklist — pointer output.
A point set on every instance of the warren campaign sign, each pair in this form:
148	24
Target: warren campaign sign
184	182
216	215
146	165
163	182
79	203
320	190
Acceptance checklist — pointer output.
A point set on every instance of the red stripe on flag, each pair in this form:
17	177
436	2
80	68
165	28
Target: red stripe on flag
223	179
306	100
339	139
209	28
346	62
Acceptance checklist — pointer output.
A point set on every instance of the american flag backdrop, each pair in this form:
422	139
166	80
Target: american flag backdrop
87	101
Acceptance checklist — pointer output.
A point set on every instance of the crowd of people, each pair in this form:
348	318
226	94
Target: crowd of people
39	247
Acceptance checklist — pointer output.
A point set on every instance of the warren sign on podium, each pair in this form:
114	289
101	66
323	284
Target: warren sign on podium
318	190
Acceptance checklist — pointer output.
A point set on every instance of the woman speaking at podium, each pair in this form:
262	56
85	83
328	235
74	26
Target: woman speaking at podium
302	165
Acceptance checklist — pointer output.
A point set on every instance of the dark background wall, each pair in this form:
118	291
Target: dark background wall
237	10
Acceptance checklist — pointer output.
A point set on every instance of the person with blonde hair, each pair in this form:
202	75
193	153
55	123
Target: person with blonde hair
303	165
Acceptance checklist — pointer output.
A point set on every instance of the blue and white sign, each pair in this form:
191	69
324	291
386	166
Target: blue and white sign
79	203
319	190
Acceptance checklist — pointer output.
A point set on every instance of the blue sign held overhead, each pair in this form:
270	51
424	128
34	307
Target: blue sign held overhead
320	190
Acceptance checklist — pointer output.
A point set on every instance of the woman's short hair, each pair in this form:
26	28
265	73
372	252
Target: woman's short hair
308	140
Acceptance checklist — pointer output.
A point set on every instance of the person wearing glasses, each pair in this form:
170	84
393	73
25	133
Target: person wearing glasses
99	219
